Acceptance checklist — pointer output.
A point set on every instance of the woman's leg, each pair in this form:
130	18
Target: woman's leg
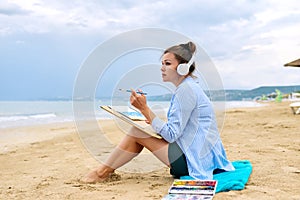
131	145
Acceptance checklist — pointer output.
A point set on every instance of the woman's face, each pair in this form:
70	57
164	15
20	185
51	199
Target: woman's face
168	68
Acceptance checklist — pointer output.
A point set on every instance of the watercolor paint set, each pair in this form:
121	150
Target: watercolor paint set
192	190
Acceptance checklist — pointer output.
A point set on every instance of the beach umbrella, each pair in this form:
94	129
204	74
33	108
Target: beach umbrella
295	63
296	105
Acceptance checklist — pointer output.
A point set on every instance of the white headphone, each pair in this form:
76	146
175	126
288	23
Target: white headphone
183	68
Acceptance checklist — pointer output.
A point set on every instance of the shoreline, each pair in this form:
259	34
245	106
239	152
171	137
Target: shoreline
268	136
17	115
21	135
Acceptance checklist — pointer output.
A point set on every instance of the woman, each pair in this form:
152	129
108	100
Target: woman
191	144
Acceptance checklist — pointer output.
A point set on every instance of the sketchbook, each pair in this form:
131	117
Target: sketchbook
192	190
133	118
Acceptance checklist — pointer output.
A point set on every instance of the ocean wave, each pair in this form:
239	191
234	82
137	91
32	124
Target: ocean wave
13	118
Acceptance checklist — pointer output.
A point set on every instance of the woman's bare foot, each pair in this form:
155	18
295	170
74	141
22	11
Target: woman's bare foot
99	175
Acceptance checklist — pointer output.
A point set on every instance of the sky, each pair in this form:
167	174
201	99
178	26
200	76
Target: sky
44	43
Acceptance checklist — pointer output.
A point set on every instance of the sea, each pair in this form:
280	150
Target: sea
29	113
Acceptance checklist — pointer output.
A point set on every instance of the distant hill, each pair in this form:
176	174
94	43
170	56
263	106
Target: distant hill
214	95
265	90
270	89
237	95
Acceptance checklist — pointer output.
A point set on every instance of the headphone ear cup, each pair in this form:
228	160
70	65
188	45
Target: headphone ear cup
183	69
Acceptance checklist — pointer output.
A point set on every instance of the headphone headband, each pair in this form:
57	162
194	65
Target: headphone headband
192	59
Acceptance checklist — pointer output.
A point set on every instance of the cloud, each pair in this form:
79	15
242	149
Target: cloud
113	16
252	51
10	9
92	17
248	40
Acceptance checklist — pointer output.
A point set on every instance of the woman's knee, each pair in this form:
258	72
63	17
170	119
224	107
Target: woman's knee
137	133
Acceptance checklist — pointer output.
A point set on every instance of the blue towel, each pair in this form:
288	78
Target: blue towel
233	180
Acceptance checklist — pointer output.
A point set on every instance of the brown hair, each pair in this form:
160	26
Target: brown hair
183	53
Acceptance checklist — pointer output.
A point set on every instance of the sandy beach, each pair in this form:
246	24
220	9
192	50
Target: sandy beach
47	161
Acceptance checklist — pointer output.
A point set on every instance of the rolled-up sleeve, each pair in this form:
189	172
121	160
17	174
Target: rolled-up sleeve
158	124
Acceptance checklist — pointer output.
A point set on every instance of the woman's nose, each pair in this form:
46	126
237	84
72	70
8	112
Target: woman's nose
163	68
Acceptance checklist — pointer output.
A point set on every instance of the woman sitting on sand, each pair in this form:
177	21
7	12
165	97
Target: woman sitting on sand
191	145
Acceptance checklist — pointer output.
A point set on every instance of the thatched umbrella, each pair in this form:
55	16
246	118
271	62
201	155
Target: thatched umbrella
296	105
295	63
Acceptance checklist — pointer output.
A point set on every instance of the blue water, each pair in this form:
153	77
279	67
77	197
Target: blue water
26	113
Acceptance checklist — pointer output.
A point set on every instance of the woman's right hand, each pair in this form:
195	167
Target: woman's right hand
138	101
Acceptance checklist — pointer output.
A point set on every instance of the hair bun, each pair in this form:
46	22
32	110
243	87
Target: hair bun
191	47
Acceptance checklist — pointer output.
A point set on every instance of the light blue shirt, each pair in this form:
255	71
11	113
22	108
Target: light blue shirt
192	124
